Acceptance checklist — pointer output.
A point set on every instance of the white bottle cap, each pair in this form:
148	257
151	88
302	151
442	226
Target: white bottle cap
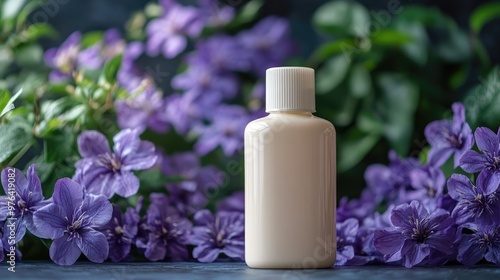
290	89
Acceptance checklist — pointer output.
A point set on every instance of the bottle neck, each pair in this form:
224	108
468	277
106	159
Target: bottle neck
291	112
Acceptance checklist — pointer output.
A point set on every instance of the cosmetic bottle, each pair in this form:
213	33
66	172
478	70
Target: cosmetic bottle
290	178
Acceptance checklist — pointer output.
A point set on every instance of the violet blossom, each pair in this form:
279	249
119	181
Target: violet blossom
489	161
346	239
130	76
216	13
2	255
479	203
356	208
113	44
102	171
195	183
223	233
28	198
183	112
416	235
164	232
449	136
269	43
63	60
427	182
391	183
233	203
226	130
167	34
482	241
121	231
71	221
144	110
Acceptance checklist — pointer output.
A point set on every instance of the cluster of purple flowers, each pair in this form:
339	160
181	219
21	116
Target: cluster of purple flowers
429	220
79	217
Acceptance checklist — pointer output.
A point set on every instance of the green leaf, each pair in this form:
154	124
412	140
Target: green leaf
111	69
29	55
398	103
12	139
483	15
91	38
246	14
354	146
483	101
360	81
59	146
343	17
9	105
416	50
391	37
11	8
74	113
330	49
332	73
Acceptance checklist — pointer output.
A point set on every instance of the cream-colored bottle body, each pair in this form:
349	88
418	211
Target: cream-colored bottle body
290	191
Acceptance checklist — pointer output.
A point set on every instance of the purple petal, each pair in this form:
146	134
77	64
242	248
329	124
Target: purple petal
388	241
64	251
174	46
439	155
206	253
440	219
493	255
346	254
34	185
126	142
442	241
125	184
98	209
94	246
16	177
50	56
50	221
235	251
459	185
434	133
472	161
458	113
349	227
401	215
69	195
4	209
144	158
414	253
469	251
203	217
155	250
486	140
93	143
488	181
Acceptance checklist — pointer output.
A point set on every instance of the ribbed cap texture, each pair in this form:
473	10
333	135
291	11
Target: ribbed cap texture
290	88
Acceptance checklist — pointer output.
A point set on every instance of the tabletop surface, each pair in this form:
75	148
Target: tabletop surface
229	271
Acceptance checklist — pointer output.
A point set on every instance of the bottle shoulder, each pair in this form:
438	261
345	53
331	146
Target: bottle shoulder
289	121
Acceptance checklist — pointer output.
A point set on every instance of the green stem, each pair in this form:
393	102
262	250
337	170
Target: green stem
20	154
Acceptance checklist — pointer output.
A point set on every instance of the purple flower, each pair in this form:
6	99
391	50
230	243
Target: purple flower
415	235
120	232
483	241
144	110
64	59
356	208
167	34
427	181
488	162
130	76
197	185
226	131
113	44
479	203
222	53
207	85
233	203
71	221
102	171
183	111
391	182
447	137
268	43
166	231
346	239
222	234
25	195
216	13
